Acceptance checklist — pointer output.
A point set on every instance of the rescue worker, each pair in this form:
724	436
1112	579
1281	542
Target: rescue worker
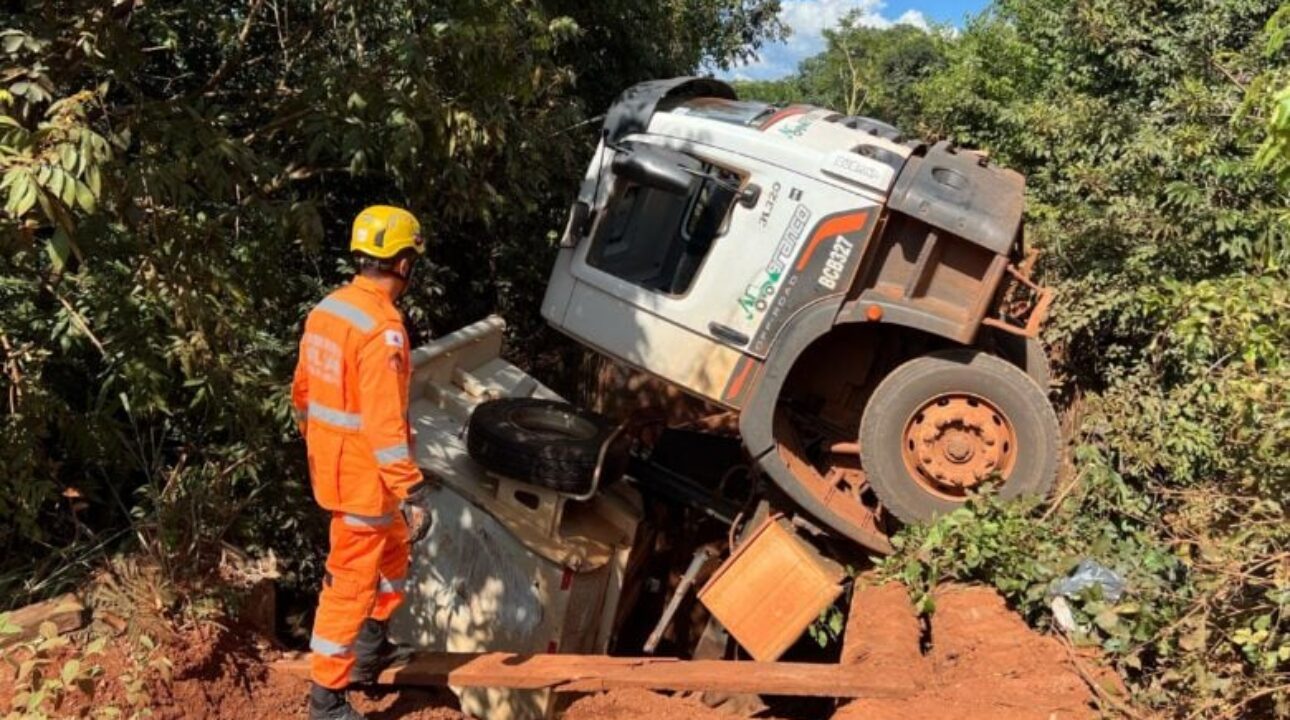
351	400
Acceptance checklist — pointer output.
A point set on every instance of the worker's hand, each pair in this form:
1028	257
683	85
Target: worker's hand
416	513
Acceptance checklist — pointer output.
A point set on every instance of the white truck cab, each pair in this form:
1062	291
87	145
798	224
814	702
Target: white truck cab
737	250
686	285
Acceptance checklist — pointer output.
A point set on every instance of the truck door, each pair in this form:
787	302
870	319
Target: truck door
686	285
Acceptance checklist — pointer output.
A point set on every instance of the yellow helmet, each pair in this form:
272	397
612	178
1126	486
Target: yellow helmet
382	231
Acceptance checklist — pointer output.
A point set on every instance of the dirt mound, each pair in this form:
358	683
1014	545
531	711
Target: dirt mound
217	674
640	705
984	662
883	637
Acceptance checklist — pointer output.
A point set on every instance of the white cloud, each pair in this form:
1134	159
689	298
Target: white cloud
915	18
809	19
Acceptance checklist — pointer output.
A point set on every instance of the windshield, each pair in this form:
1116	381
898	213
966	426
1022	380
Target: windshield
657	239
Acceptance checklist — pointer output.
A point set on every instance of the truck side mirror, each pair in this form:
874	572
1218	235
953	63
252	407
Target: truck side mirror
654	168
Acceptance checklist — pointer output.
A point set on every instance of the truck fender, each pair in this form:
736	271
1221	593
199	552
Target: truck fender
756	422
861	310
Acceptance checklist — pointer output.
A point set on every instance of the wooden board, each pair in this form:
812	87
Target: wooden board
591	673
66	612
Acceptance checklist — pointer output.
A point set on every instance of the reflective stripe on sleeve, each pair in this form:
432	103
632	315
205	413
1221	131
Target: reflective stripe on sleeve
391	454
332	416
368	520
323	646
299	414
350	313
390	586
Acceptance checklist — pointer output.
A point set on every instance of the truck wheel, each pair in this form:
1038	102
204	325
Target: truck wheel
941	425
546	443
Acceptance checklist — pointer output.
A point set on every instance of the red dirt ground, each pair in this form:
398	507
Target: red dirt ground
640	705
219	674
984	662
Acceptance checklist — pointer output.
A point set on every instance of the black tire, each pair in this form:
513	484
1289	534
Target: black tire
551	444
1027	354
906	391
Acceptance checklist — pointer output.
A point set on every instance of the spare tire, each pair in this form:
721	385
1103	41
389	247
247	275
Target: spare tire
551	444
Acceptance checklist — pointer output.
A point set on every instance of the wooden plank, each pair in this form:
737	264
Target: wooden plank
65	611
591	673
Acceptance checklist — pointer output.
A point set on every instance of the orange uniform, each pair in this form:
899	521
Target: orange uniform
351	399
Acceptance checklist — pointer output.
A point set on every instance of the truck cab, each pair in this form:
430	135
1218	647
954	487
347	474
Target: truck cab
782	262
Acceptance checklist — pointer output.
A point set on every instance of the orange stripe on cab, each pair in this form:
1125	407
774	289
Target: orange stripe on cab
835	226
740	377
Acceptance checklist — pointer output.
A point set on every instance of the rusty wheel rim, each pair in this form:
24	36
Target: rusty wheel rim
955	442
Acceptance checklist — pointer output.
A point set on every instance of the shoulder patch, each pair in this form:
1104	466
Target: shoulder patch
394	338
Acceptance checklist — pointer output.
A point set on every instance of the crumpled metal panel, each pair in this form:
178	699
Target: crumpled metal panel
473	587
494	574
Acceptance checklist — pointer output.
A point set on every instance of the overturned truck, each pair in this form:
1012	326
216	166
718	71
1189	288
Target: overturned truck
864	306
850	315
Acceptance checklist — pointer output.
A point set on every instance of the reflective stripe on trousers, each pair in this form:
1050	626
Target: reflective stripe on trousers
392	454
374	521
347	312
387	585
332	416
323	646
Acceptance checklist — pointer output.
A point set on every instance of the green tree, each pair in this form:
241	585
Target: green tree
862	71
1270	93
621	43
178	179
1169	241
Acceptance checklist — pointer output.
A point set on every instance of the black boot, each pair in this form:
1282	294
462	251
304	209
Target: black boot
373	652
326	704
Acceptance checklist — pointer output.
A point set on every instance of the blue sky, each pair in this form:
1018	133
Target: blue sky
809	18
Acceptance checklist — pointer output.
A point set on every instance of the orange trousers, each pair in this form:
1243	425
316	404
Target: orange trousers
367	566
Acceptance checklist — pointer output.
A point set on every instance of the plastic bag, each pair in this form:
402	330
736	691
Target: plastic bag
1090	573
